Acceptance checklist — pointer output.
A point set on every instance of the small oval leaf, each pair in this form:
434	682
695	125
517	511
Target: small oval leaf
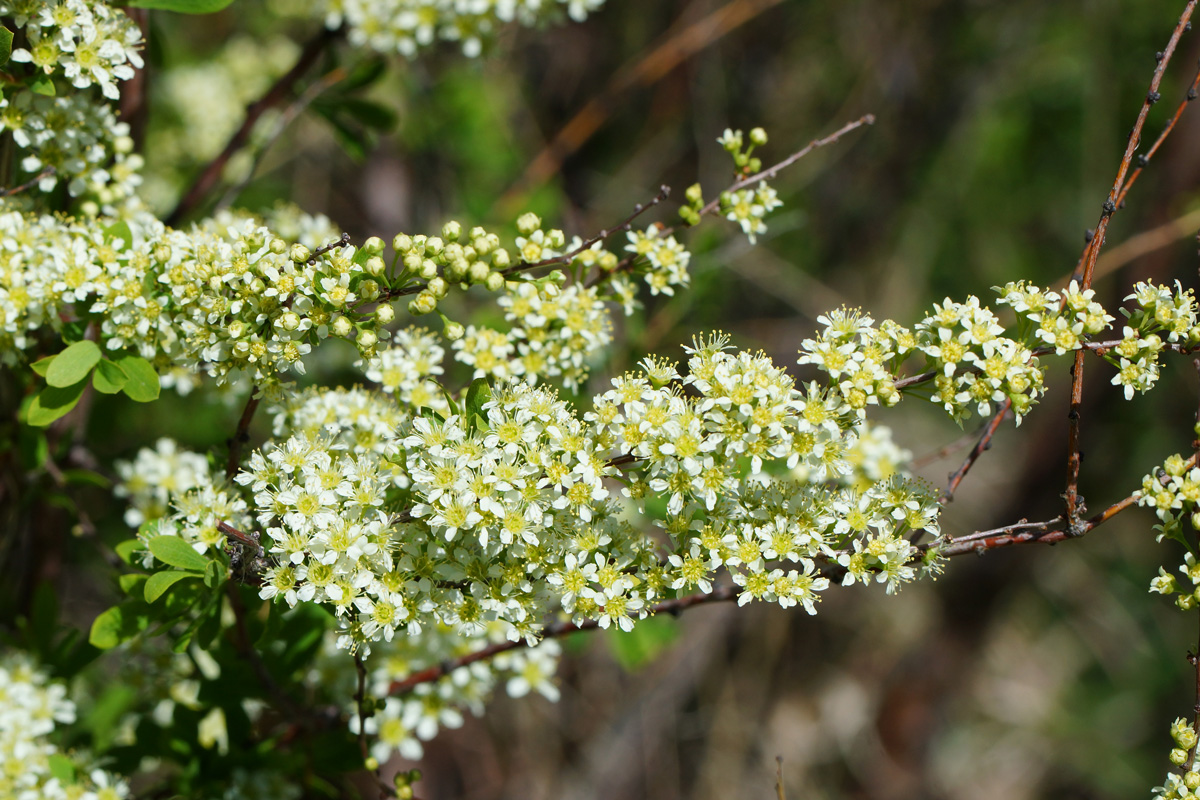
73	364
176	552
142	384
106	629
159	582
53	402
109	378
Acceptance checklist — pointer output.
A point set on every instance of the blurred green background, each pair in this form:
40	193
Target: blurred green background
1030	673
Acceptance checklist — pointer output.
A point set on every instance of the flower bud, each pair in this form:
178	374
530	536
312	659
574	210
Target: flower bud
373	245
428	269
385	314
402	243
495	282
438	288
278	246
237	329
341	327
375	265
369	290
557	277
423	303
556	239
289	321
527	223
1191	779
434	245
413	262
758	136
694	194
501	258
299	253
451	231
1178	757
479	271
162	253
453	331
367	339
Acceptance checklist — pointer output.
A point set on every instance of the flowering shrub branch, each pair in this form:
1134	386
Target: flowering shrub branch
442	534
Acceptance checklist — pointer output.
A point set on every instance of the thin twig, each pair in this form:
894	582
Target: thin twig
742	183
211	173
664	192
45	173
241	436
985	441
1074	504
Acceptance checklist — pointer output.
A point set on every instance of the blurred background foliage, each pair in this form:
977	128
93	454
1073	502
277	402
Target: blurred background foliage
1030	673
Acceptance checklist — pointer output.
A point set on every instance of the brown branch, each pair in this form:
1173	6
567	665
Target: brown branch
664	192
985	442
1144	160
241	436
211	174
555	630
45	173
1074	504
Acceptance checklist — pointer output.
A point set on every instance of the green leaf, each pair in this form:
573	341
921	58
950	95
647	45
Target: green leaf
119	231
363	74
61	767
53	402
42	364
368	113
478	394
6	37
73	364
183	6
159	582
108	377
176	552
132	582
127	548
143	385
107	629
42	85
214	573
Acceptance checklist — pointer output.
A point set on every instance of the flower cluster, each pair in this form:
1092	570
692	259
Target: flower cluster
668	259
1161	313
401	723
405	26
85	41
1173	491
75	140
1185	786
746	205
407	368
31	707
860	359
553	335
227	298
